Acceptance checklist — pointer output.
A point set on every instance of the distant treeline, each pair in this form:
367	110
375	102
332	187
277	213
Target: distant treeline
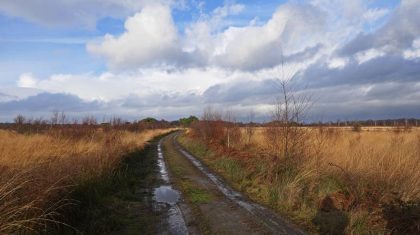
61	121
367	123
372	123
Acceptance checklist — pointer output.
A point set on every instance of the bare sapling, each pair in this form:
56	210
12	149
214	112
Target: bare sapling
210	128
286	127
229	127
249	129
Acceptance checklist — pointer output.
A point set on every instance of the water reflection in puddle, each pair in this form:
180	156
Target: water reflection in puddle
162	166
166	199
165	194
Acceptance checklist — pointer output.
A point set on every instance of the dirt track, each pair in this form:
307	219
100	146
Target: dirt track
210	205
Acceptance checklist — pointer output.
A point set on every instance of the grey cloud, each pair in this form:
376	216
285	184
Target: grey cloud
393	91
360	43
268	56
397	34
6	97
350	102
364	111
378	70
388	100
305	54
47	102
345	101
244	92
156	100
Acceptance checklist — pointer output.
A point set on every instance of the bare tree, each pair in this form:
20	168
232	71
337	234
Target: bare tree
54	118
287	135
62	118
229	126
210	127
89	120
249	128
210	114
116	121
19	119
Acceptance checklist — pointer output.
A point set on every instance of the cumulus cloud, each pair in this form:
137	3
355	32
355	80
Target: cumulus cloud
150	38
27	80
256	47
300	31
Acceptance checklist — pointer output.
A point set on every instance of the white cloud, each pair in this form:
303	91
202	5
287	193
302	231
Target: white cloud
367	55
337	63
27	80
256	47
375	14
414	51
113	86
150	38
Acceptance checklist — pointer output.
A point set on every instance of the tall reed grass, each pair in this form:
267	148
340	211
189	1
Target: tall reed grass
38	171
341	181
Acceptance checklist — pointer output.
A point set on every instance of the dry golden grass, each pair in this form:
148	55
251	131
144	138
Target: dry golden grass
370	177
363	170
37	171
382	155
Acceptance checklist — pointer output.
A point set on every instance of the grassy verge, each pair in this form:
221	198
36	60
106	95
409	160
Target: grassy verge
117	201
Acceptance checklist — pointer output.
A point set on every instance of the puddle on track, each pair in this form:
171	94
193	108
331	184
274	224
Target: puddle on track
272	221
165	194
165	199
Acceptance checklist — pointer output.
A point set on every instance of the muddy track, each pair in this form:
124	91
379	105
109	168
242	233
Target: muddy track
223	210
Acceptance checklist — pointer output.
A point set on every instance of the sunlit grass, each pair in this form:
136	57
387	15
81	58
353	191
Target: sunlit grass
37	171
359	171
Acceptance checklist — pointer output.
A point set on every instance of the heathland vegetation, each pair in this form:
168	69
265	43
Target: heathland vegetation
331	180
43	162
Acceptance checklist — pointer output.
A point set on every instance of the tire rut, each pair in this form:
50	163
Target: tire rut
229	212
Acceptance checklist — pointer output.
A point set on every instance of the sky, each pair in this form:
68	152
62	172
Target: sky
168	59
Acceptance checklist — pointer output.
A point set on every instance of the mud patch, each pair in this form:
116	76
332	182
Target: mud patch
166	199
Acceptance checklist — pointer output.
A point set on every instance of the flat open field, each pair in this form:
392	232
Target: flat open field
331	180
